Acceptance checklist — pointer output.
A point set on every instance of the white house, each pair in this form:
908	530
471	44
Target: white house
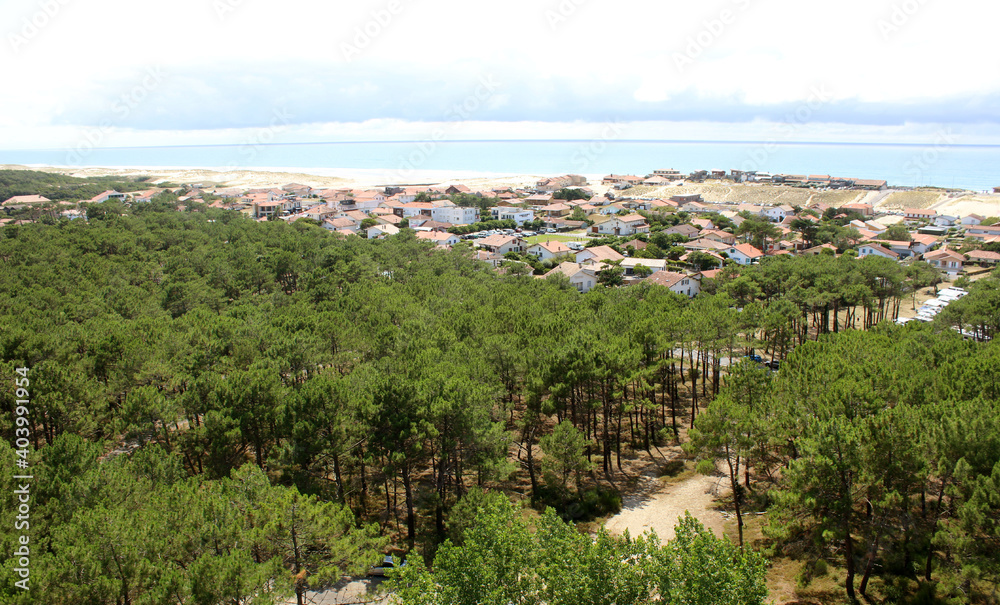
381	231
945	220
876	250
654	265
511	213
502	244
583	278
456	215
623	225
547	250
440	238
679	283
745	254
777	213
972	219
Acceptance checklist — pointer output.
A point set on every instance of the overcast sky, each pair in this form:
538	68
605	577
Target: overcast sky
153	72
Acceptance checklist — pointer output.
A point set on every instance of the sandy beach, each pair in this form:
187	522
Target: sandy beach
892	201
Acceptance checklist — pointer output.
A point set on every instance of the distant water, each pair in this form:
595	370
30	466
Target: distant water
960	166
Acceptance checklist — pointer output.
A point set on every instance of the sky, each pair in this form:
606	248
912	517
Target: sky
127	73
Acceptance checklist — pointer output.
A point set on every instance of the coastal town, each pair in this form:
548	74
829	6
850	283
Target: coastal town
614	233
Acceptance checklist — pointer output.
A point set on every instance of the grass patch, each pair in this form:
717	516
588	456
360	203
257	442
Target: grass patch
552	237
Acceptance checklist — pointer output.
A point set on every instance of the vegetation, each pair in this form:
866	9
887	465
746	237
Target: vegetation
226	411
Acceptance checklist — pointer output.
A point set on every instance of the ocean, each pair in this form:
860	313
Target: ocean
971	167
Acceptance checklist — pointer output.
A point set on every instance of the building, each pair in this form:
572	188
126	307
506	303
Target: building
456	215
678	283
547	250
870	249
24	200
597	254
623	225
745	254
583	278
502	244
919	214
946	260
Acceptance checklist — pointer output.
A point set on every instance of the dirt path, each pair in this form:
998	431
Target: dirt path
657	505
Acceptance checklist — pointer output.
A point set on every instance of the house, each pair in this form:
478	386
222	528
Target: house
695	208
656	181
341	224
719	236
22	200
456	215
865	210
582	277
687	257
547	250
622	179
686	230
685	198
921	243
870	249
983	257
972	219
502	244
870	184
556	210
902	248
669	174
777	213
624	225
264	209
381	231
512	213
819	249
919	214
107	195
598	254
946	260
678	283
635	244
945	220
702	223
983	232
653	264
413	209
538	199
489	257
441	238
745	254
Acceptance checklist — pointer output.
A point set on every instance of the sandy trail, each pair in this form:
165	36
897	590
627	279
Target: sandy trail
657	505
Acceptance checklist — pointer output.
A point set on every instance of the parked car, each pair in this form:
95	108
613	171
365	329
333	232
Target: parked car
773	365
754	358
386	565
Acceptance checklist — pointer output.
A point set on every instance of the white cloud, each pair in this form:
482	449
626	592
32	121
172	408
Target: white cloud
598	60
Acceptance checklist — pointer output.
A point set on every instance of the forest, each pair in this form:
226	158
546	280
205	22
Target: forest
226	411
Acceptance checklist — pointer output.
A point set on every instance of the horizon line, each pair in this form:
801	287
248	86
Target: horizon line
584	140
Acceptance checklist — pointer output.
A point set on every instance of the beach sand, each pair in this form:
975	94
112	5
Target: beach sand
893	201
